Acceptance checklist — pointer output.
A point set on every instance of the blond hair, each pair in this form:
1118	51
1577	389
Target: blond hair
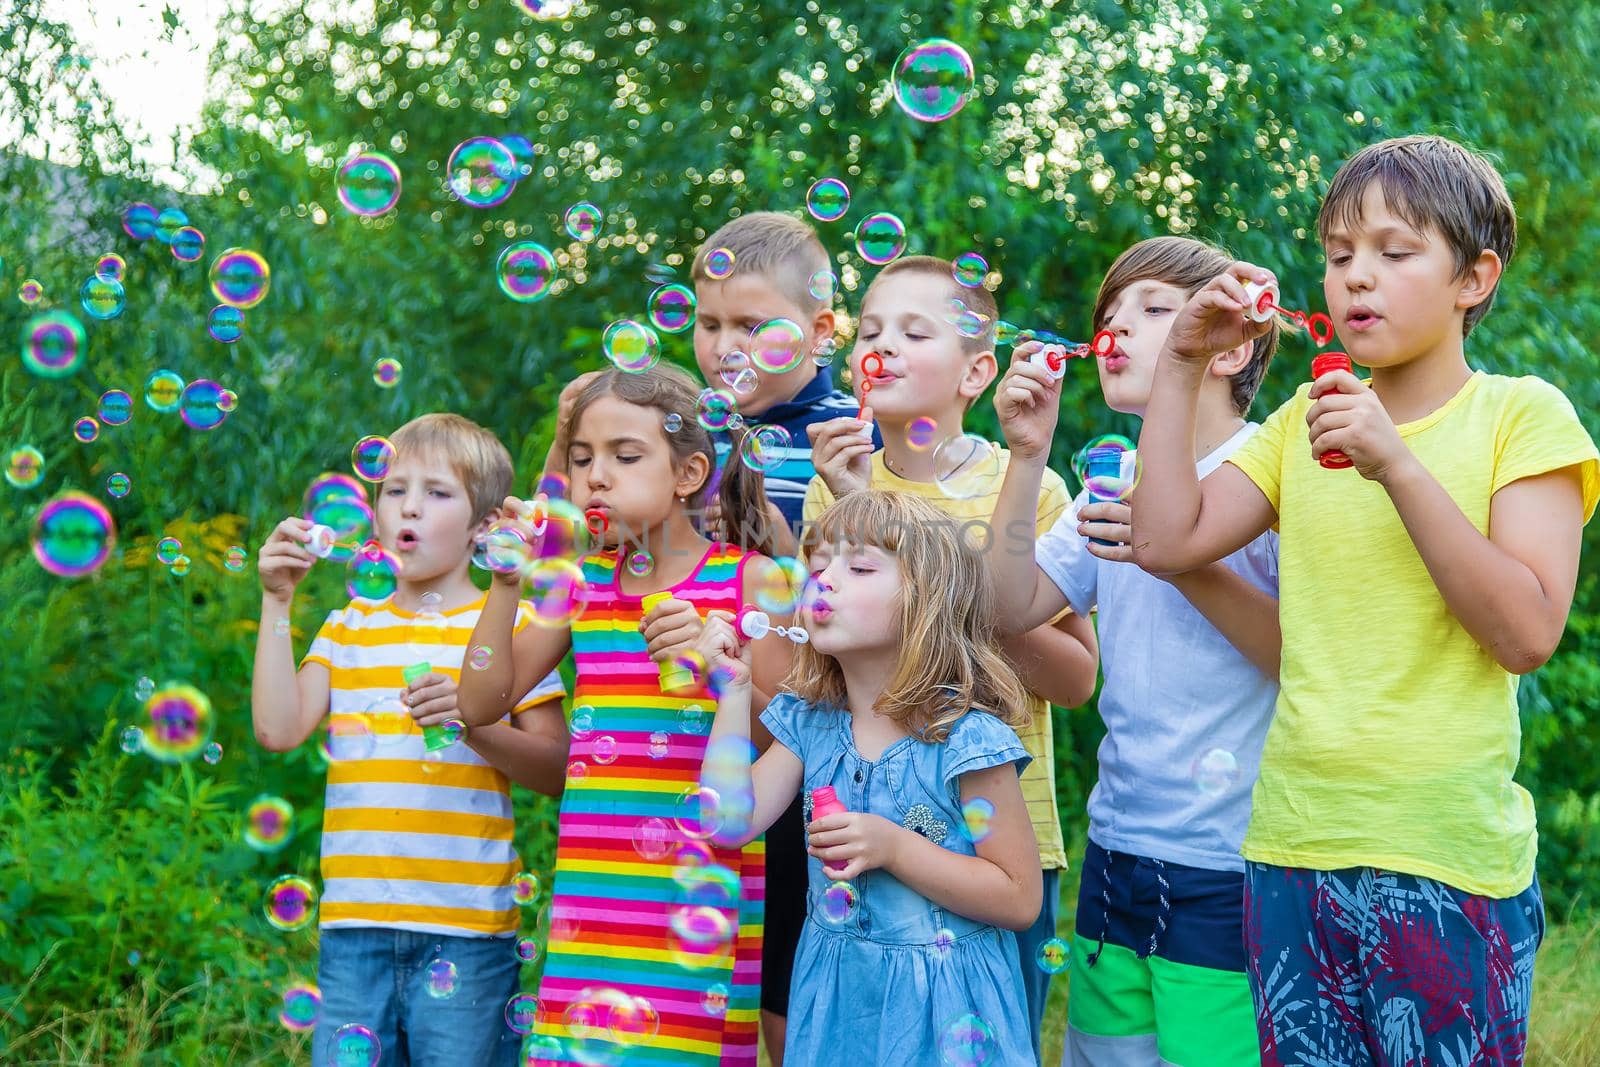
1431	181
475	455
1187	264
775	247
950	658
976	299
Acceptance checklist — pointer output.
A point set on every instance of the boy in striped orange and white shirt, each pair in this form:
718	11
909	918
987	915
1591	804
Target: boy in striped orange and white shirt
418	918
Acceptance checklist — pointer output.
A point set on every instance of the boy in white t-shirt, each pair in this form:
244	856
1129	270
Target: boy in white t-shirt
1190	668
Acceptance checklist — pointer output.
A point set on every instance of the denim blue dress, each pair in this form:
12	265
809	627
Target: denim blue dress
900	979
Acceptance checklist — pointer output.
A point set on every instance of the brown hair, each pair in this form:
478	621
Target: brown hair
475	455
671	391
976	299
776	247
1187	264
950	659
1431	182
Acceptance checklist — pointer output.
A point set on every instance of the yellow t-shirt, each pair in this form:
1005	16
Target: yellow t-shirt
1039	780
1396	734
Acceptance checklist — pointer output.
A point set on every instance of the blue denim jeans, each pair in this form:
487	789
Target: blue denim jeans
1036	981
378	977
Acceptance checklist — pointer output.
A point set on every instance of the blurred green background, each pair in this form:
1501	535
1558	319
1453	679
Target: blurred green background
130	925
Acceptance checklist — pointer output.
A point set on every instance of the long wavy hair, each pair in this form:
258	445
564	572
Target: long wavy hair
950	658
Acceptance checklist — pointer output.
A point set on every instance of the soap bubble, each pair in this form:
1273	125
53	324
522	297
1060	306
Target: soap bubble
694	719
386	372
736	373
922	432
302	1005
110	267
837	904
115	407
604	750
139	221
25	467
525	887
373	574
966	466
1108	467
355	1045
482	172
700	935
640	563
527	271
371	458
528	949
203	405
828	199
188	244
558	591
441	979
240	278
652	838
169	222
716	408
86	429
660	745
168	549
234	561
777	346
765	448
163	391
290	903
30	292
1215	772
970	269
143	688
774	584
933	79
967	1041
631	346
118	485
102	298
268	823
225	324
339	502
178	722
212	753
977	817
53	344
131	740
368	183
714	1001
583	221
1052	956
824	284
522	1011
880	238
944	942
719	263
671	308
697	812
73	535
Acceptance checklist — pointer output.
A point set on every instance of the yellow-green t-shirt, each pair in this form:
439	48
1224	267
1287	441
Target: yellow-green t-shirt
1396	734
1039	780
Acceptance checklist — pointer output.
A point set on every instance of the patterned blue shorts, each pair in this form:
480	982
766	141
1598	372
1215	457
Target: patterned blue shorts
1366	967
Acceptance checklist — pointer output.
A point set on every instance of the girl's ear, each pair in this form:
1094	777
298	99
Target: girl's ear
691	475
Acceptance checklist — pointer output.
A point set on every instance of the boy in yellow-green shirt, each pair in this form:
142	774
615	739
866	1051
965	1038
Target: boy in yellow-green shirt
1391	910
920	361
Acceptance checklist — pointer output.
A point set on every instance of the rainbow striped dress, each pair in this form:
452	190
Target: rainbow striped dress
655	935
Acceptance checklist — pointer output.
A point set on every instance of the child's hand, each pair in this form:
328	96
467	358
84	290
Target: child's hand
719	645
1026	400
850	842
1213	320
431	699
519	513
841	451
283	559
670	627
1348	417
1110	521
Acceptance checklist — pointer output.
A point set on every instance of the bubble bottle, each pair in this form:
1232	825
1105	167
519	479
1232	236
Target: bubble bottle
824	801
674	677
1102	465
1327	363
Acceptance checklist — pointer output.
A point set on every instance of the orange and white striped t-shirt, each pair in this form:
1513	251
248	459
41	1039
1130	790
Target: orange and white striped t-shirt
410	839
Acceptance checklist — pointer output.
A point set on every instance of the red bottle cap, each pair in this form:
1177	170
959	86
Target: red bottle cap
1329	362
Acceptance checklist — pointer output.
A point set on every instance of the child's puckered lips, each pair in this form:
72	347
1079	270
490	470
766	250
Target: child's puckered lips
1116	361
407	539
1360	318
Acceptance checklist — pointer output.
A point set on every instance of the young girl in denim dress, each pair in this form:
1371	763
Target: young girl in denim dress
904	705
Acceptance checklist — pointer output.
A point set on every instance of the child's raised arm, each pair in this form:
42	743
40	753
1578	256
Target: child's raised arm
1001	885
1179	522
774	779
515	661
285	706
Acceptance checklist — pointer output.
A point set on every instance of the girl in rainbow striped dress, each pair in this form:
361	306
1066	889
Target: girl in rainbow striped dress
654	949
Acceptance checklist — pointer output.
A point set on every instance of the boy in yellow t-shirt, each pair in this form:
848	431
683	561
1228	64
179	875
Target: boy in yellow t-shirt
930	366
1391	903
